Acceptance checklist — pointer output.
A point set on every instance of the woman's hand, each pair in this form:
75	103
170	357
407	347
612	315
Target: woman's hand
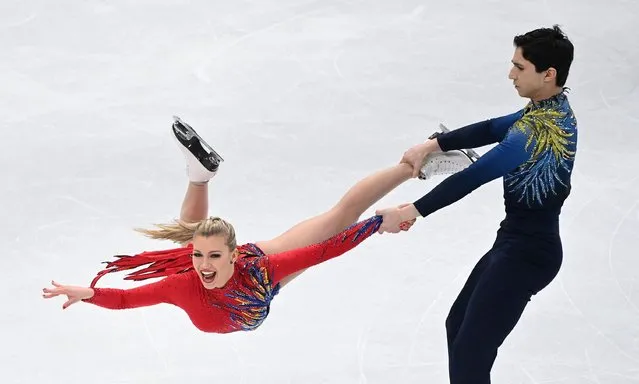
73	294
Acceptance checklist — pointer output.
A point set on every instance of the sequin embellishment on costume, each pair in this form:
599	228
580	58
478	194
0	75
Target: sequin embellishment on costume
549	128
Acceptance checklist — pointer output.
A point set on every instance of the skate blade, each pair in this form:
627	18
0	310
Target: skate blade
188	133
474	156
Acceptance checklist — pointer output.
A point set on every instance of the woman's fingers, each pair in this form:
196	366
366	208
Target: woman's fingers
53	292
47	295
49	292
406	225
73	294
69	303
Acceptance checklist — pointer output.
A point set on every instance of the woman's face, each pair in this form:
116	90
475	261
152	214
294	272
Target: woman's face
213	261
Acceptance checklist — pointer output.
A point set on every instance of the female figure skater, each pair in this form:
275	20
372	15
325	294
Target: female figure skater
221	286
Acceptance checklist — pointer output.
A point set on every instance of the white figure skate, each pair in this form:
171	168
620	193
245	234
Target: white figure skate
202	161
446	163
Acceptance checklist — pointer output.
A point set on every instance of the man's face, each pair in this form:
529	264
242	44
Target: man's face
526	80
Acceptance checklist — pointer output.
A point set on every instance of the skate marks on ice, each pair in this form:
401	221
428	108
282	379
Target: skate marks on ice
16	14
152	342
405	23
201	72
599	281
620	82
625	218
19	23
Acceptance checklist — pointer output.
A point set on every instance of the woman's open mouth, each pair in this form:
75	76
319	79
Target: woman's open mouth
207	276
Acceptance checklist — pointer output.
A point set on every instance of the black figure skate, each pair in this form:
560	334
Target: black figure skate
202	161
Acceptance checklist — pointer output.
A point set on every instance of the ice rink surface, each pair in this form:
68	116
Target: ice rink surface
302	98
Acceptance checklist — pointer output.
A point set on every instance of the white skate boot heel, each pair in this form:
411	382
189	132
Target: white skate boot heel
202	162
446	163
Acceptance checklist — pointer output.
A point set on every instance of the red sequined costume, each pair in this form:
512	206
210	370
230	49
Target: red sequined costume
243	303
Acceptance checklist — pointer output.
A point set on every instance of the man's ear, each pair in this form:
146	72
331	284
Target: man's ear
551	75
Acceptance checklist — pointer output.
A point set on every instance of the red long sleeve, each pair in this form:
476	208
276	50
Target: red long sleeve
208	310
286	263
163	291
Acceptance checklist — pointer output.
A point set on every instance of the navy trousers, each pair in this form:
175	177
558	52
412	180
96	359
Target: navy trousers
494	297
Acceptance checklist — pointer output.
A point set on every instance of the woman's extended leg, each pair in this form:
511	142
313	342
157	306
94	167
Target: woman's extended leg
202	164
195	206
347	211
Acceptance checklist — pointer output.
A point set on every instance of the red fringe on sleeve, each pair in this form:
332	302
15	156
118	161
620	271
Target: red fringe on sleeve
160	264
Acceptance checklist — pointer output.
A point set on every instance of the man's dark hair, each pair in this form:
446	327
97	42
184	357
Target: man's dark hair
545	48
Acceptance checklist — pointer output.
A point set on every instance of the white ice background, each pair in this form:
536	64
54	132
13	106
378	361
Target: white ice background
302	98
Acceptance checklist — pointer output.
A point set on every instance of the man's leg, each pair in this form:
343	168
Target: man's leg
457	311
494	308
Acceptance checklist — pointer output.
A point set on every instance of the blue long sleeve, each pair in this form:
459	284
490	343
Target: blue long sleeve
499	161
478	134
535	157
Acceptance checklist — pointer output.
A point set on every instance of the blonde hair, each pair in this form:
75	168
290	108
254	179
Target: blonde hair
182	232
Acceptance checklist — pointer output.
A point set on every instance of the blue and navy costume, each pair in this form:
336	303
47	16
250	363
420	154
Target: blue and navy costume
535	155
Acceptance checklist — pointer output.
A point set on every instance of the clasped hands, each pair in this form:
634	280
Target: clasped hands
403	216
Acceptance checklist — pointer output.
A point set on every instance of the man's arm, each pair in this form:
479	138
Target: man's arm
478	134
500	160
